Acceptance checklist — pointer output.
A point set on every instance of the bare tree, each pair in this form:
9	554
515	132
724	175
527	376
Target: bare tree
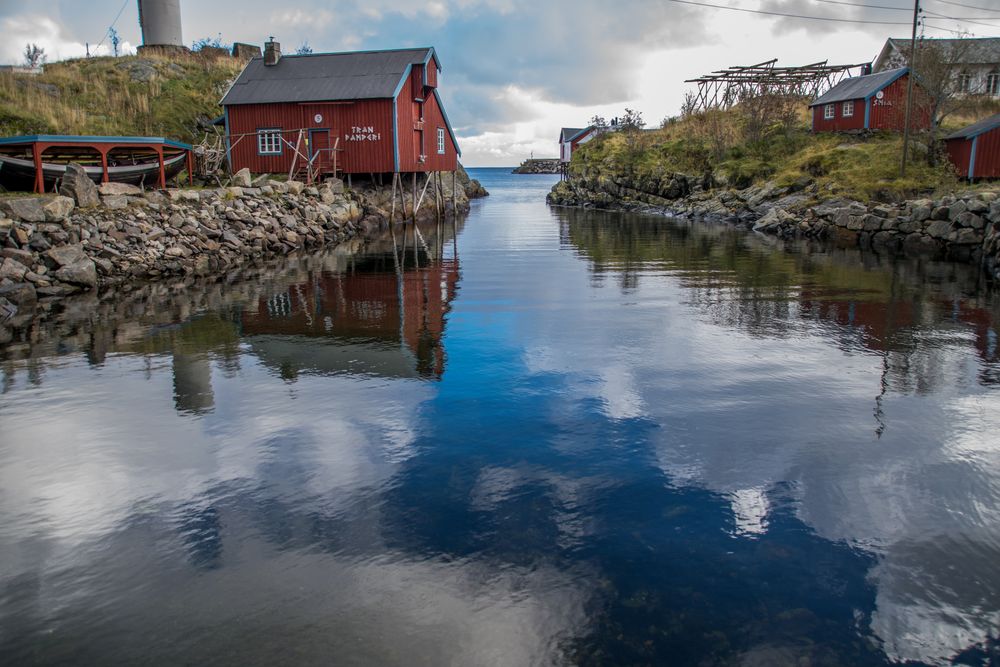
34	55
942	90
630	124
600	122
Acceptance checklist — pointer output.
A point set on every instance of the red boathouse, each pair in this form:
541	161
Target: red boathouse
341	113
975	150
871	102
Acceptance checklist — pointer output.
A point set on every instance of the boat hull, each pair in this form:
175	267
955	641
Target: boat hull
19	174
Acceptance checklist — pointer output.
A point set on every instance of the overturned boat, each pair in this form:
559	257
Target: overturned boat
38	162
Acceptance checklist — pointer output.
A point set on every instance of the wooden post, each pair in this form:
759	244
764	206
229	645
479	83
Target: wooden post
437	193
421	200
163	172
414	209
454	193
36	155
909	90
104	165
190	167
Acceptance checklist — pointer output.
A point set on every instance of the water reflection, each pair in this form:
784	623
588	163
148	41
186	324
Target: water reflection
608	440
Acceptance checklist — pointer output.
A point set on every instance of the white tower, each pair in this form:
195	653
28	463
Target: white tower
160	21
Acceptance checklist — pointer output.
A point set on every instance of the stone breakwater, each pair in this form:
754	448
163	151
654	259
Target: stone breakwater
89	238
962	227
538	166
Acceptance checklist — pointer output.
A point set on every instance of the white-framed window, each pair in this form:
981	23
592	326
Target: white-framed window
269	142
993	83
847	109
440	141
829	112
964	82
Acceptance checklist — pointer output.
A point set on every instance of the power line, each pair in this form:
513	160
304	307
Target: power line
861	4
110	27
793	16
959	4
937	27
968	19
964	19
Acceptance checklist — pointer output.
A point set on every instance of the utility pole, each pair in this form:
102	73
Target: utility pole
909	89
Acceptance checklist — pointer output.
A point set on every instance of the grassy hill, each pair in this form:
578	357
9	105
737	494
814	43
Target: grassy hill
720	143
152	95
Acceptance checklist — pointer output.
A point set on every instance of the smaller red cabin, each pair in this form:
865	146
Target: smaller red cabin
975	150
570	139
871	102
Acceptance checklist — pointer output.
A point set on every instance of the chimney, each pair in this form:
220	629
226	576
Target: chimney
272	52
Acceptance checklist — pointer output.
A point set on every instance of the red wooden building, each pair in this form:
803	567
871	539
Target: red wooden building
871	102
350	113
975	150
570	139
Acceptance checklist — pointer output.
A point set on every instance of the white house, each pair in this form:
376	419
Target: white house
976	61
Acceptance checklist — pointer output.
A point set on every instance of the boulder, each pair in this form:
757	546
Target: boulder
112	189
76	184
28	209
241	179
23	256
19	293
82	273
66	255
58	208
12	269
939	229
114	202
295	187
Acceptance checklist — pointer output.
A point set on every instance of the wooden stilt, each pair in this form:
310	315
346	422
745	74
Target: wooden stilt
392	212
454	193
349	182
421	200
414	209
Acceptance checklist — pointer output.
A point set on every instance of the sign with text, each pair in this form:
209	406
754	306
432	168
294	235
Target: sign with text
367	133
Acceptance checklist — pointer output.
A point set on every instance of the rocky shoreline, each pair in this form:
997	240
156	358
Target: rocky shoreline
90	238
961	227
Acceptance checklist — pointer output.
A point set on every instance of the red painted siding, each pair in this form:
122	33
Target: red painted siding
839	122
889	113
959	151
432	75
988	155
433	120
359	152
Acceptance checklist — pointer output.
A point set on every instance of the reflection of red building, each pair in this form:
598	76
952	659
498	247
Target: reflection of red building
383	322
879	321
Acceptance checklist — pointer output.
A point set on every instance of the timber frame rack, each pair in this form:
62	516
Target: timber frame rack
724	89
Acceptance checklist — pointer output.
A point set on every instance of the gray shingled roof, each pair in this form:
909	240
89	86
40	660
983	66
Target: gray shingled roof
568	133
858	87
966	51
357	75
974	130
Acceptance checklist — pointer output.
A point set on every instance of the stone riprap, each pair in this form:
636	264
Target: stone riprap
963	227
50	247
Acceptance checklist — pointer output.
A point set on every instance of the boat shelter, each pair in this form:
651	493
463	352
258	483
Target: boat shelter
107	153
975	150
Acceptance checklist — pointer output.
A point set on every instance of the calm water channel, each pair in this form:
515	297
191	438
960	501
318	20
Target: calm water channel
555	437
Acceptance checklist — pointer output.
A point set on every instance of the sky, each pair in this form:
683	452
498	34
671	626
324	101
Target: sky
516	71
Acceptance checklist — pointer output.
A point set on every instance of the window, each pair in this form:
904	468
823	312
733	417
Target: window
828	112
993	83
848	109
964	82
440	141
269	142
